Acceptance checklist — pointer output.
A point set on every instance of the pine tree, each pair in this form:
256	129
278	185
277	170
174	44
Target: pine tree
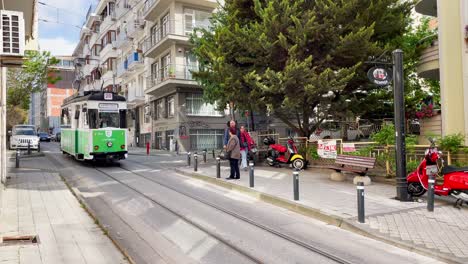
302	60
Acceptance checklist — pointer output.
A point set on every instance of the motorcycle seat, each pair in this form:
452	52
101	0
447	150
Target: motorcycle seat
450	169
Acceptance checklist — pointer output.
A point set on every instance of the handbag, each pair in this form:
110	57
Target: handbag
224	155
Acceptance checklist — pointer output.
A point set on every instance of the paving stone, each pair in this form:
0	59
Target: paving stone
39	203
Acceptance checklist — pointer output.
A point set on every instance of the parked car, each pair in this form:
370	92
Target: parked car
22	135
43	136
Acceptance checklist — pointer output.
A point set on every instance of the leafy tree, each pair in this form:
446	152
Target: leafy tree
302	60
32	77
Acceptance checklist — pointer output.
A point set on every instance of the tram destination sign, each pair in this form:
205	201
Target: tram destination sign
108	96
380	76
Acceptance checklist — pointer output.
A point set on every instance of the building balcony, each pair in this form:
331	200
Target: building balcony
135	97
107	22
169	77
122	70
429	61
427	7
135	26
123	41
172	32
154	8
88	68
135	61
109	51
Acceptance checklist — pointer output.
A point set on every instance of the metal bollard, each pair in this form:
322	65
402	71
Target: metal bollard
17	158
251	175
218	168
213	154
195	162
188	158
177	148
360	201
204	156
38	147
29	147
430	193
296	185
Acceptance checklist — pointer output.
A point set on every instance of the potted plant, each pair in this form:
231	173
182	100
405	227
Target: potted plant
172	72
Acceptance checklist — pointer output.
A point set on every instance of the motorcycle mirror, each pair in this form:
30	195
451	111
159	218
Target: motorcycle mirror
430	139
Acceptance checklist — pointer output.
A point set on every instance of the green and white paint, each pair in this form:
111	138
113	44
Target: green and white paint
88	141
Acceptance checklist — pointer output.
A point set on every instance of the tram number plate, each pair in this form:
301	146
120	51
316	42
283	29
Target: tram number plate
108	96
432	170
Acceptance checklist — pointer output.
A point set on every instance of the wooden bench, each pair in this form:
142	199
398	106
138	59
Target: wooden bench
356	164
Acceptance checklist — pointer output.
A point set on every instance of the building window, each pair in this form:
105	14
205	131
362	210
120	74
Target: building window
96	50
166	64
155	71
159	140
165	26
108	38
195	105
159	109
170	106
109	65
206	139
147	114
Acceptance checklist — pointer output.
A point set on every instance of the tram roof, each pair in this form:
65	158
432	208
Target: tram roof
92	96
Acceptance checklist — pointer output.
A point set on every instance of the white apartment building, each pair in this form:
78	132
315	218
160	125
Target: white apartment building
141	49
177	108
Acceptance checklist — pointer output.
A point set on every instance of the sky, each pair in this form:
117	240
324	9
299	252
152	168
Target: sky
61	38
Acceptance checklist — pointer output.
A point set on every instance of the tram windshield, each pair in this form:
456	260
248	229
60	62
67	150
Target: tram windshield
106	119
109	119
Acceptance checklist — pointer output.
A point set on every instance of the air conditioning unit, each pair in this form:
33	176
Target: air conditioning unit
12	33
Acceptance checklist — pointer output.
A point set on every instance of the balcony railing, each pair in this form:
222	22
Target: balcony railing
172	27
148	6
171	72
134	59
122	68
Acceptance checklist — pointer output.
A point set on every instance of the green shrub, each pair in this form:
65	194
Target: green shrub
411	166
452	143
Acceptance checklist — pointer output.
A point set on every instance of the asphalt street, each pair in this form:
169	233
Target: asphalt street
158	216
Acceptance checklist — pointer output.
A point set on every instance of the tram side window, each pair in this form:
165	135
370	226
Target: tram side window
65	117
123	118
93	118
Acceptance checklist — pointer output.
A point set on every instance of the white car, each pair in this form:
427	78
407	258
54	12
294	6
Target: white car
21	135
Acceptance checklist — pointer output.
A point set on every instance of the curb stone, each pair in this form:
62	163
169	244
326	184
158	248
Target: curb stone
346	224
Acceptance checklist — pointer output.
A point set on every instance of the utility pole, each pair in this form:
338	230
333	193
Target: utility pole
399	105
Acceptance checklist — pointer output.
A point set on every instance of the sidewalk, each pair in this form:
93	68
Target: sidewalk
36	202
153	152
442	234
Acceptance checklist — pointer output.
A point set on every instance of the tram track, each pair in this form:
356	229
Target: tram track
265	228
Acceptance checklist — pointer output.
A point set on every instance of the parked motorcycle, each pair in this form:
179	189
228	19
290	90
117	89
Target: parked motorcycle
455	179
278	154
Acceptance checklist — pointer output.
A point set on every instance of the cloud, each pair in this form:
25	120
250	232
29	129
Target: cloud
57	46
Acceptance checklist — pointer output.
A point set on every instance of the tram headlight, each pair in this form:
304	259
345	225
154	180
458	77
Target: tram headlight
109	144
96	147
122	146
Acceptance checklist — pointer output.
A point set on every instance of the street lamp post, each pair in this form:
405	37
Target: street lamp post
399	108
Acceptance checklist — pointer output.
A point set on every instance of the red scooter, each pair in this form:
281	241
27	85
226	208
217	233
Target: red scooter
455	179
276	154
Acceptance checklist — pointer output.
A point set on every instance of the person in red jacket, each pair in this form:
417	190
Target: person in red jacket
246	143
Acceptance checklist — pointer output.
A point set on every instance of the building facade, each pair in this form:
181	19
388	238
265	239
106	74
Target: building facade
141	50
447	60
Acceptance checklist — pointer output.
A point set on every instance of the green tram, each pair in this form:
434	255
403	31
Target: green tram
94	126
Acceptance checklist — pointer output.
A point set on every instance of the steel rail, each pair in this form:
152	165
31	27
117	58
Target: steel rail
245	219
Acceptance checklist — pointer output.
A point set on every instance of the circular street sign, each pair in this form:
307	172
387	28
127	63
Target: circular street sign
380	76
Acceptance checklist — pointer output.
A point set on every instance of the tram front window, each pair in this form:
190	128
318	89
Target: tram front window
109	119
